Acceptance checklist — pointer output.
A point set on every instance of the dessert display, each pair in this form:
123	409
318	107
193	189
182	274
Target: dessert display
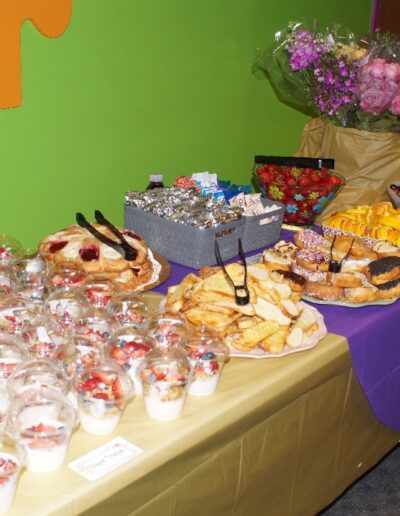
304	185
77	248
272	323
344	269
165	374
44	433
128	347
103	392
12	461
379	221
207	355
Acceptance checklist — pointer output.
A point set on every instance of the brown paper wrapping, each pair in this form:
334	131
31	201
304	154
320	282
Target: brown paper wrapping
368	161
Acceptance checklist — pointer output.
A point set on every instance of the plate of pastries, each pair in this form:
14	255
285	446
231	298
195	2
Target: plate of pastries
79	248
274	323
339	269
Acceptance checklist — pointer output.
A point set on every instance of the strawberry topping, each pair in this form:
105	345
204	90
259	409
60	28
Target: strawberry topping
57	246
89	253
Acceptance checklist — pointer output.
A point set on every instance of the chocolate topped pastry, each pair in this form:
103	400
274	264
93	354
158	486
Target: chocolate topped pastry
295	281
383	270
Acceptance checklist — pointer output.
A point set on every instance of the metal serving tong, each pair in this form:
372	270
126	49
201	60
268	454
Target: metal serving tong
122	246
242	294
336	265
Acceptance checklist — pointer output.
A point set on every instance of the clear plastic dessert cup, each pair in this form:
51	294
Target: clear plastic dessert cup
31	277
15	312
168	329
7	278
95	323
4	409
12	353
128	347
103	392
79	353
12	461
41	372
207	355
43	335
10	248
99	293
44	434
66	278
165	374
130	309
65	306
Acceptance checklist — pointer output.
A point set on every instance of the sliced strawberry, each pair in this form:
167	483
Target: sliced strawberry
103	377
117	354
117	389
214	366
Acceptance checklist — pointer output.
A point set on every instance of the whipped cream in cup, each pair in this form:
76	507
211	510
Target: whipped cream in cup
168	329
103	392
165	374
12	353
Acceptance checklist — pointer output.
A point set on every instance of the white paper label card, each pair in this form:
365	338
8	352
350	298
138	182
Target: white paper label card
104	459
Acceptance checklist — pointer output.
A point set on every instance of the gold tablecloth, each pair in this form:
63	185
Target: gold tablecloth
281	436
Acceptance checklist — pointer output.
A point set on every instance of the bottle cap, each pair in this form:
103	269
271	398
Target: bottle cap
156	178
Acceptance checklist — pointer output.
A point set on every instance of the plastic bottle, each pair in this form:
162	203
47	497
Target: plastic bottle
156	181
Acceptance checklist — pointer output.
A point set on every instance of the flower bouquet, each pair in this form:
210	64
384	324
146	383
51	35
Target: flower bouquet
351	82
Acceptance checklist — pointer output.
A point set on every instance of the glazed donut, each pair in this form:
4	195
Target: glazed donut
355	265
323	291
313	260
361	294
383	270
389	290
294	280
345	279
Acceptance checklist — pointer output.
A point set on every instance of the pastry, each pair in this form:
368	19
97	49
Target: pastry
384	248
389	290
75	247
345	279
323	291
295	281
313	260
361	294
307	238
275	260
383	270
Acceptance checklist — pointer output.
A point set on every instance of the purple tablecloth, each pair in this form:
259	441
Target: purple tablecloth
371	332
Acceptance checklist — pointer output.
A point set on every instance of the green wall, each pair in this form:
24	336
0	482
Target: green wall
135	86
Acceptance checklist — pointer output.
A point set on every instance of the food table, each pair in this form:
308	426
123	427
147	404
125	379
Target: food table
280	436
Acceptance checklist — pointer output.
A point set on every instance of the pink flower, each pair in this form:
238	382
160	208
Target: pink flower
395	106
392	72
376	68
374	101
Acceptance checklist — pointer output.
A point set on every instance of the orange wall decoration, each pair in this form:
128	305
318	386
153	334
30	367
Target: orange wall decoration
50	17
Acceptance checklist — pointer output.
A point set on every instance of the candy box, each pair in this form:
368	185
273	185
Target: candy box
304	185
181	243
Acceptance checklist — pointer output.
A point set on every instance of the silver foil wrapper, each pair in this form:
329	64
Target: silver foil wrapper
185	206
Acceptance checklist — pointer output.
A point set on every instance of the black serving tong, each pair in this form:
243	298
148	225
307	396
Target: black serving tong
336	265
122	246
242	294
